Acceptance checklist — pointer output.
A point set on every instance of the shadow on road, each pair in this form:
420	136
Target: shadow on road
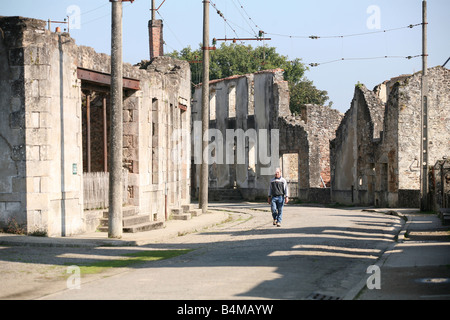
326	256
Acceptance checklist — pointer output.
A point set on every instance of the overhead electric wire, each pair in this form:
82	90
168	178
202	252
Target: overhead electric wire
95	9
314	37
103	16
446	62
223	17
245	11
254	32
173	33
262	61
243	29
365	58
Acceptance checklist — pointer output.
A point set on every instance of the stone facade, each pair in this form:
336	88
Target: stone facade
375	156
43	129
260	101
238	103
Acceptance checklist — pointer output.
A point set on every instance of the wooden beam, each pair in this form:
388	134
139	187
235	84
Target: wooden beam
104	79
105	135
88	130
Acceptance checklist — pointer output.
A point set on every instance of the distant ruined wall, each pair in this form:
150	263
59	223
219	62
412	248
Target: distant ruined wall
261	101
309	135
248	104
375	156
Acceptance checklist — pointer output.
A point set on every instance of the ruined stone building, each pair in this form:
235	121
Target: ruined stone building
243	110
54	128
375	155
368	157
54	124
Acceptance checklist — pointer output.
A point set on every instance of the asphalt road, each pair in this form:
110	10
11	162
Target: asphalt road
318	253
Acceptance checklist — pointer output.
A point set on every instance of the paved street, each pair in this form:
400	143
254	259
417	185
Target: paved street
318	253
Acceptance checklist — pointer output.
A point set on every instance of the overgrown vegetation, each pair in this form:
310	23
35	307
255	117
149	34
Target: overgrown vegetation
12	226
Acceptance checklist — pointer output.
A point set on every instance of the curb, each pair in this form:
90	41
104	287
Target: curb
171	230
398	236
30	241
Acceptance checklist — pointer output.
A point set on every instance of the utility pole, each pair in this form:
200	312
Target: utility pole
153	10
204	174
116	138
424	114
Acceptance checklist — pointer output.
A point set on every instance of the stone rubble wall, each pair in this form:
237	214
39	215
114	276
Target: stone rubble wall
375	156
41	136
262	102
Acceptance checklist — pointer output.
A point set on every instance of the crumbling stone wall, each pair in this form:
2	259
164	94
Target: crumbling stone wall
353	175
41	129
382	169
320	123
12	135
41	135
261	101
309	135
247	103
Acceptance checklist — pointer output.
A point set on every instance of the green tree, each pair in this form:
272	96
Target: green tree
239	59
304	92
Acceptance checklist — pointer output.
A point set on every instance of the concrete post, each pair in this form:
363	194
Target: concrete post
424	205
116	138
153	10
204	174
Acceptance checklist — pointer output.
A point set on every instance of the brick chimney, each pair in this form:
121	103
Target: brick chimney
155	28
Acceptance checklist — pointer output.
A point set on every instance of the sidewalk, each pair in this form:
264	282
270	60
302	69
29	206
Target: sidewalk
417	266
172	228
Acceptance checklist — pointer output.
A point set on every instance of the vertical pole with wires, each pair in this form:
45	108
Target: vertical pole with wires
153	10
116	138
424	115
204	174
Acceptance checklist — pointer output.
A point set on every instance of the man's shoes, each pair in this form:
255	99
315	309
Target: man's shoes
274	222
278	224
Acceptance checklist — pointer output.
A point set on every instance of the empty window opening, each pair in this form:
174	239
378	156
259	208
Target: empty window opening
232	101
155	142
212	105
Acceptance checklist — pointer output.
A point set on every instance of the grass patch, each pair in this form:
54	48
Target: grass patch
131	259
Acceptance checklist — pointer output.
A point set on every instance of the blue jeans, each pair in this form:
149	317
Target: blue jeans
277	204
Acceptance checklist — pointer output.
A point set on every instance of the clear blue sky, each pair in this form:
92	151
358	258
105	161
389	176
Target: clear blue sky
183	27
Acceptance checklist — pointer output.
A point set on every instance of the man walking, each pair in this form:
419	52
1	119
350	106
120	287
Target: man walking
278	196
